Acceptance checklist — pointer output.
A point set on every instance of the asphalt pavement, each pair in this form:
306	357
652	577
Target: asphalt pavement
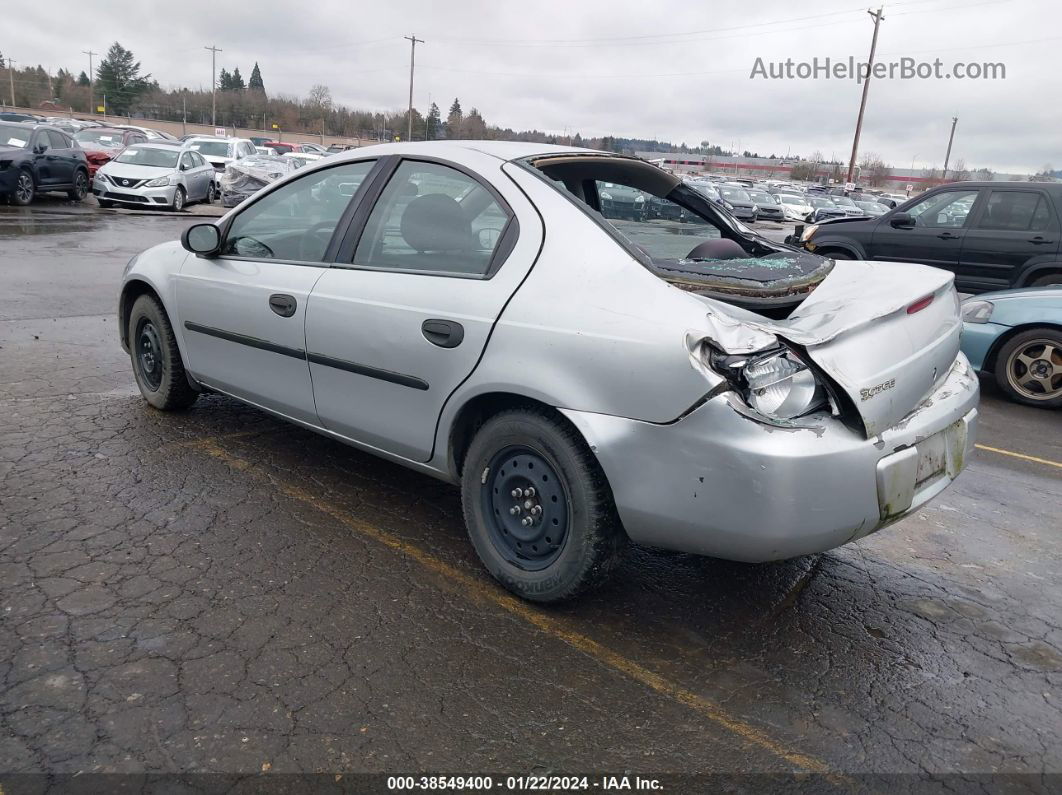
218	591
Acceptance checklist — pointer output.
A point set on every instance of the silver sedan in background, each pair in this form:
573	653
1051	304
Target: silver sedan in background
475	311
155	175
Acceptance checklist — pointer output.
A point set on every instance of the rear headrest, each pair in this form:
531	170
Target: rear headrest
435	222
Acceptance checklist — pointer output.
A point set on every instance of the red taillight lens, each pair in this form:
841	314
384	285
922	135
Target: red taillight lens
919	305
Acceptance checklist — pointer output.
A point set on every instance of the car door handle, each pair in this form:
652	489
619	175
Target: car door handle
948	236
444	333
283	305
1039	240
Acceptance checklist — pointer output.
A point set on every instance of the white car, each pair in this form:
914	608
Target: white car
794	208
219	152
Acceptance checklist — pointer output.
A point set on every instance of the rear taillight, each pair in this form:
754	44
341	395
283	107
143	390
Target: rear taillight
919	305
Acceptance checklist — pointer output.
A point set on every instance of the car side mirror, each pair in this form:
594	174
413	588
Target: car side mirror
40	149
203	239
902	221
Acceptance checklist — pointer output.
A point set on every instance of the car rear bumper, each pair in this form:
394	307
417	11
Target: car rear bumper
721	484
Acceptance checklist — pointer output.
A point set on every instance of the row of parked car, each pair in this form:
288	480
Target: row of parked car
781	201
138	166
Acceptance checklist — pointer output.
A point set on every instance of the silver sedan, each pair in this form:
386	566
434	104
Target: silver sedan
155	175
473	311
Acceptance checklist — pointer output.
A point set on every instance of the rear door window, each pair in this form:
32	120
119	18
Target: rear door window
1015	211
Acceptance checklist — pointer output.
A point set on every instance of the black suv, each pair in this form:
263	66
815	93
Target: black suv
38	157
991	235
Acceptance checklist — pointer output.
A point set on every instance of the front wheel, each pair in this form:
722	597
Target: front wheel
81	187
1047	281
178	199
1029	368
25	189
156	358
538	508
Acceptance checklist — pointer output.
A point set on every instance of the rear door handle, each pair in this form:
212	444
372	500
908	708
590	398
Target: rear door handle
444	333
1040	241
283	305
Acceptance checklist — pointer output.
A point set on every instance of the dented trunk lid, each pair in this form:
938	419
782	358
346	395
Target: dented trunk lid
866	326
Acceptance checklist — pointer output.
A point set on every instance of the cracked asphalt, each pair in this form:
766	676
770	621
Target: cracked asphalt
217	591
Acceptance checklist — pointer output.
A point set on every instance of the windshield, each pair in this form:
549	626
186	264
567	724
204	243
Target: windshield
149	156
760	197
787	198
734	195
15	135
843	201
820	202
211	148
110	139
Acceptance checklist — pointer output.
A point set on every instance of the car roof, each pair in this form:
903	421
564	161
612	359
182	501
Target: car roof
163	144
503	150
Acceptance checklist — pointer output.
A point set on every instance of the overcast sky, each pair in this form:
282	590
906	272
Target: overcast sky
677	71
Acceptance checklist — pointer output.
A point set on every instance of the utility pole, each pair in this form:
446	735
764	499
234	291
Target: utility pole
213	83
877	16
184	114
92	79
947	157
413	42
11	77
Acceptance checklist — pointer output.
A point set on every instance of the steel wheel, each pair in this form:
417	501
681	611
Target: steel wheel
526	508
1034	370
149	355
24	188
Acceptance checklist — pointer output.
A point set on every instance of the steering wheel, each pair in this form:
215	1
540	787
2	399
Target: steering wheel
314	234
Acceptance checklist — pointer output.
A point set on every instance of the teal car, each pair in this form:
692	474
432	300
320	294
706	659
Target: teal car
1016	337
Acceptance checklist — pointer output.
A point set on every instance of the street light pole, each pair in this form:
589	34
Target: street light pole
213	83
413	41
878	16
92	80
947	157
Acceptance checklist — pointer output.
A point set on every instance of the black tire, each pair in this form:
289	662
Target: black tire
81	186
1019	380
211	193
104	203
156	359
1046	281
25	189
836	254
179	200
580	507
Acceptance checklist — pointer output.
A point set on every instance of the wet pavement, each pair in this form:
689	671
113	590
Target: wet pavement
215	590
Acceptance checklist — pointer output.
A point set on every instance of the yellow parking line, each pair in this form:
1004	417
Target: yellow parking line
483	592
1022	456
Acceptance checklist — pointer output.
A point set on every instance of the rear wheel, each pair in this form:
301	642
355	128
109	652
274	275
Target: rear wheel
836	254
538	508
1046	281
1029	367
25	189
156	358
81	187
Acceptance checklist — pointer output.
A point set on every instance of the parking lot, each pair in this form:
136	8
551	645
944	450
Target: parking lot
216	590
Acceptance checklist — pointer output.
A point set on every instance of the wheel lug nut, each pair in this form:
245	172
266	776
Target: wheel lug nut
516	494
529	492
536	510
514	510
527	521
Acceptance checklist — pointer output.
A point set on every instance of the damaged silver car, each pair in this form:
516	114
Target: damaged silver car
479	312
248	175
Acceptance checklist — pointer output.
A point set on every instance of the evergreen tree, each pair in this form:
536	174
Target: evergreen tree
2	61
118	77
255	83
433	124
237	80
83	79
224	80
453	121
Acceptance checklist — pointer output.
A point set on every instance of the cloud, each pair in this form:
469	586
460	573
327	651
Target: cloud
678	71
